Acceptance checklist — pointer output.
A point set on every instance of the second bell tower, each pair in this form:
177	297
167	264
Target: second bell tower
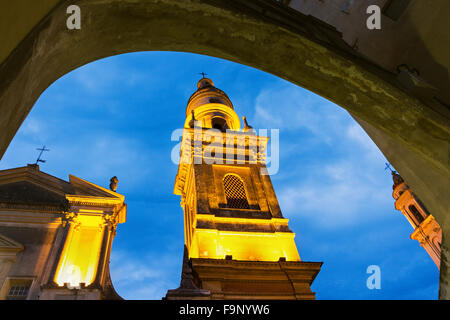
238	244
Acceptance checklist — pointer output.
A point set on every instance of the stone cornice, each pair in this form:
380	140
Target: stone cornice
87	189
258	265
245	225
80	200
420	230
31	207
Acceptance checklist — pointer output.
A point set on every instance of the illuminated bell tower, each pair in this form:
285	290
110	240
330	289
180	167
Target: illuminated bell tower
238	245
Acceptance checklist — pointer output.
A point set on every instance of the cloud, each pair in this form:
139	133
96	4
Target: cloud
333	199
292	108
101	154
32	127
93	150
148	276
357	134
337	182
97	77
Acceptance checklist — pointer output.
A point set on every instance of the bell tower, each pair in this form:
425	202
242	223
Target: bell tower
238	245
426	229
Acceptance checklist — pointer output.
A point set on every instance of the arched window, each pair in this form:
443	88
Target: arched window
235	192
416	213
219	123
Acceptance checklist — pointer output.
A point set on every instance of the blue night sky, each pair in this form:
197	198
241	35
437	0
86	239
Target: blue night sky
115	116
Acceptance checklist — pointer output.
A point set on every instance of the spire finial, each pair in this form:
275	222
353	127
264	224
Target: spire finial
247	127
203	74
113	183
193	120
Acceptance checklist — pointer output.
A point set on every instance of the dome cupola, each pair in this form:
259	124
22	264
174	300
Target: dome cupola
212	107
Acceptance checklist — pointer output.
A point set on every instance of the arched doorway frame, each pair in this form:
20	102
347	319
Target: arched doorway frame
297	48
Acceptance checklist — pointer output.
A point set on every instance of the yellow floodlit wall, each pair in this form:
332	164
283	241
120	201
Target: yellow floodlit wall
215	244
81	252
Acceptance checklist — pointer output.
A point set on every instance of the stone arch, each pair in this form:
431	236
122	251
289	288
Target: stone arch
261	34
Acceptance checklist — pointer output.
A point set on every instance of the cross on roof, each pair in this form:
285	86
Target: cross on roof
203	74
388	166
40	154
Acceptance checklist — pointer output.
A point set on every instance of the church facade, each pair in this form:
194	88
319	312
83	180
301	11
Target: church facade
56	236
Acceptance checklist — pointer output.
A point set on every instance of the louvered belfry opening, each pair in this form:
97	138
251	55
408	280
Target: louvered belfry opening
235	192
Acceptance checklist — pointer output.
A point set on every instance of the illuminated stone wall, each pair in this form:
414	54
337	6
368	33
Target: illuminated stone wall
58	235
